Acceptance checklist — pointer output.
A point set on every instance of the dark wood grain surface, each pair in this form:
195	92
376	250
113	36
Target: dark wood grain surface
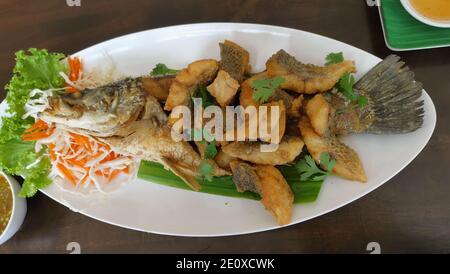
409	214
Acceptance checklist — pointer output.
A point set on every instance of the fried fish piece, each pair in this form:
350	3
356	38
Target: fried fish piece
306	78
158	87
224	160
289	148
277	195
348	164
235	60
224	88
198	73
266	180
318	111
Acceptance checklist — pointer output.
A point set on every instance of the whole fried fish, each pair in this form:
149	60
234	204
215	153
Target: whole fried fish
130	120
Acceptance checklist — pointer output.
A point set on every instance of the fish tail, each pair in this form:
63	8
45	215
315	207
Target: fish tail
393	98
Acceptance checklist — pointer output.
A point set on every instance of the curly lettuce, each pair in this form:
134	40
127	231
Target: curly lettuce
34	69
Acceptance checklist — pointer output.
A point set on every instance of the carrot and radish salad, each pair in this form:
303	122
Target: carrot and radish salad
80	160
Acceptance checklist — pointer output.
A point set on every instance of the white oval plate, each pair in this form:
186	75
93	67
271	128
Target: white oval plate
159	209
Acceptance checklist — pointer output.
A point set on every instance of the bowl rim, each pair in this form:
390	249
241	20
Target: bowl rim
426	20
10	181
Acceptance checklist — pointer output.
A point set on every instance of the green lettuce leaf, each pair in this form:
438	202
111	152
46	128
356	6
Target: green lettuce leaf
34	69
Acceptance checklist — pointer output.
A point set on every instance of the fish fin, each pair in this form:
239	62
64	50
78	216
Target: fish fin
186	175
393	97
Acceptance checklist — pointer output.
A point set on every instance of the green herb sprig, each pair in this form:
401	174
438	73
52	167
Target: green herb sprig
264	88
309	171
162	70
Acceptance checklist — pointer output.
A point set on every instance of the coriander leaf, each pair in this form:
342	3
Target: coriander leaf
211	150
345	86
162	70
334	58
327	162
264	88
207	99
362	101
205	171
310	171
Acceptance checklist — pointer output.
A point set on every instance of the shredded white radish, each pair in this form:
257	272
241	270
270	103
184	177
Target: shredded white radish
83	165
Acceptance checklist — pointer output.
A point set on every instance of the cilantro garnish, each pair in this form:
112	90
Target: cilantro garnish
334	58
264	88
210	150
205	170
345	86
162	70
309	171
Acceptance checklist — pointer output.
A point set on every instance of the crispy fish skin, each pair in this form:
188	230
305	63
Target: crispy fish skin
101	111
245	177
289	148
234	60
348	165
196	74
306	78
266	180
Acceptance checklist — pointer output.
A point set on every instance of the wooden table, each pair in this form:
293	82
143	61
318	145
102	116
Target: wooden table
411	213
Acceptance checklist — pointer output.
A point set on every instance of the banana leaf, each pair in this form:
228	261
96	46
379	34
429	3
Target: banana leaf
304	191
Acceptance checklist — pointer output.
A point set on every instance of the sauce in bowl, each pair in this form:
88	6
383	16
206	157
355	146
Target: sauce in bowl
433	9
6	203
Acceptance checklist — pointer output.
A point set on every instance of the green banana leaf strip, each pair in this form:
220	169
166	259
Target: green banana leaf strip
304	192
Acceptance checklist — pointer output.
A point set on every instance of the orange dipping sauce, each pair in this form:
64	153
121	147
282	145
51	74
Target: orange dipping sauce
433	9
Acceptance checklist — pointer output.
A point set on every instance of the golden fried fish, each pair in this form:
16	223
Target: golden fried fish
289	148
266	180
348	165
198	73
306	78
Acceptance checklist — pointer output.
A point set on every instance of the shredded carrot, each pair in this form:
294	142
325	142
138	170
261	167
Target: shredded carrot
75	67
67	173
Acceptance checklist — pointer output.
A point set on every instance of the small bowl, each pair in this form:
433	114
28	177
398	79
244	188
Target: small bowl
426	20
19	210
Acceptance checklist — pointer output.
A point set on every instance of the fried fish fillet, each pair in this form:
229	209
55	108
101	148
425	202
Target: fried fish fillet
198	73
224	88
306	78
348	165
234	60
318	111
289	148
266	180
158	87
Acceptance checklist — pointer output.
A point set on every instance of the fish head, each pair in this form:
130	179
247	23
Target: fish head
99	111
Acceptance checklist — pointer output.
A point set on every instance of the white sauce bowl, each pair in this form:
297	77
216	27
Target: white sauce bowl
19	210
426	20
